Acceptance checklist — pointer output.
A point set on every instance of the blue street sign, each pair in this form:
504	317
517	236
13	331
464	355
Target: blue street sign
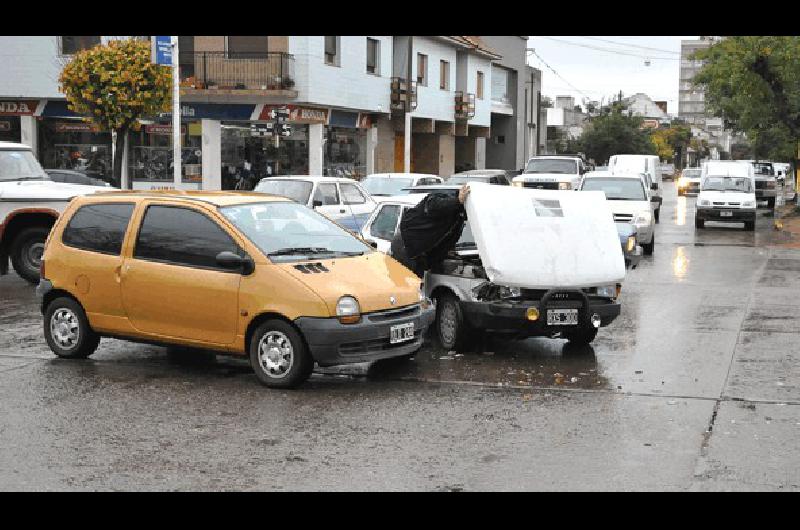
162	50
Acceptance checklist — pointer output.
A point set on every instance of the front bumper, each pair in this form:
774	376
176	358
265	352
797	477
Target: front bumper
331	342
738	215
510	316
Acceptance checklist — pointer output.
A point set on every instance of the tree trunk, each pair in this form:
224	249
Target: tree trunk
119	154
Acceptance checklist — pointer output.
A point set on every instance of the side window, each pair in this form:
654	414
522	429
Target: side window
326	193
182	236
98	227
385	222
351	194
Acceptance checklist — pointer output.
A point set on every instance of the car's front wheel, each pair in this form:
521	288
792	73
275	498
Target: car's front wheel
452	328
26	252
67	330
278	355
582	335
647	248
750	226
699	223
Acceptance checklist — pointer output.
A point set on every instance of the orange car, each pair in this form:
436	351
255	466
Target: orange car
239	273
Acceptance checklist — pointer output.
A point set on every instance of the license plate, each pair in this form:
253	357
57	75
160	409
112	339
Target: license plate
725	214
401	333
562	317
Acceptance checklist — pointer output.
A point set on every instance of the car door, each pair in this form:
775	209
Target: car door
326	200
383	226
171	283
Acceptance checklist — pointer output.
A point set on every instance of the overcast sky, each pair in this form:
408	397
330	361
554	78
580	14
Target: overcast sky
595	67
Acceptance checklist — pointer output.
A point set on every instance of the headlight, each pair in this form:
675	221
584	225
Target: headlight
564	186
704	202
631	243
682	182
606	291
518	184
490	291
749	204
348	310
643	218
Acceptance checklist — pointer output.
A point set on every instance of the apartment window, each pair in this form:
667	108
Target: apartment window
479	89
422	69
242	47
444	75
332	51
72	45
373	55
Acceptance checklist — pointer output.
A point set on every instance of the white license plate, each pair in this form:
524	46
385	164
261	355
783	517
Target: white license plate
562	317
401	333
725	214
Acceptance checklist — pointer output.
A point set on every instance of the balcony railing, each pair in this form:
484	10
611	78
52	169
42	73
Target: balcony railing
404	95
465	105
237	71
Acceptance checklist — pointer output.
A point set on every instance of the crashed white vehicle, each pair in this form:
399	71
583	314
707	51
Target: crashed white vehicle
30	203
563	282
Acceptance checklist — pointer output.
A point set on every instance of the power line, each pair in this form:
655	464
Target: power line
633	45
609	50
557	74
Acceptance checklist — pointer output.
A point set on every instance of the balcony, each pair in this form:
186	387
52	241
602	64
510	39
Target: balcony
465	105
404	95
232	73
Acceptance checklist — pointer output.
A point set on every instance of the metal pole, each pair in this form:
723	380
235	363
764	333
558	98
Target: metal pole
176	116
407	122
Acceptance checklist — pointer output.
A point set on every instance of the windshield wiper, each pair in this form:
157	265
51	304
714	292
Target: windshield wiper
290	251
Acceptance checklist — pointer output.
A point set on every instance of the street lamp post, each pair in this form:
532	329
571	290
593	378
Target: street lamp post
176	116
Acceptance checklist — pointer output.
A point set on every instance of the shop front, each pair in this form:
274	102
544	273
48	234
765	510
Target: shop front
9	129
12	113
73	144
150	164
345	152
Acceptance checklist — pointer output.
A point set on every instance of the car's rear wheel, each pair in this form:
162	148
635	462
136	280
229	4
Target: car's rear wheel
26	252
453	330
648	248
278	355
67	330
656	213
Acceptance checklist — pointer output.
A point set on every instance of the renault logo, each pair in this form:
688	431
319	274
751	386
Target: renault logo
392	300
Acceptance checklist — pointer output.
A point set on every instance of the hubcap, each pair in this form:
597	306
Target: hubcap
32	256
275	354
447	323
64	328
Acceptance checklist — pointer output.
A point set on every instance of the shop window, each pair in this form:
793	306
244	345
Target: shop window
244	47
444	75
373	56
385	223
479	89
345	150
422	69
98	227
75	145
72	45
332	50
351	194
150	154
326	195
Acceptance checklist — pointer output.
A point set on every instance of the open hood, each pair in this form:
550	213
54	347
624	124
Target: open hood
544	239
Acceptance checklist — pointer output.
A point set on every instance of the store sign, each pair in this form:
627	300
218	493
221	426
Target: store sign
211	111
297	114
161	50
164	130
341	118
78	126
17	107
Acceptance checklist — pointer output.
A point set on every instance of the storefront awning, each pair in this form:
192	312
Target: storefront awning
189	111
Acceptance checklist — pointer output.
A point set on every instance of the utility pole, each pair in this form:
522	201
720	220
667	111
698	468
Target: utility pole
176	116
407	117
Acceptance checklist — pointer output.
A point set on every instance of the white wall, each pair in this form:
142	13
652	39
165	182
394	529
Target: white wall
432	102
29	66
347	85
483	107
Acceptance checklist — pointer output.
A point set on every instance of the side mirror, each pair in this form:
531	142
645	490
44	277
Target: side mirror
229	260
316	203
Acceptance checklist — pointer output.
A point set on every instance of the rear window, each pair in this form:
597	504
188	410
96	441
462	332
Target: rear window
98	227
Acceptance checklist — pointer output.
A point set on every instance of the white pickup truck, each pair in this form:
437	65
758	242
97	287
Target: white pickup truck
30	203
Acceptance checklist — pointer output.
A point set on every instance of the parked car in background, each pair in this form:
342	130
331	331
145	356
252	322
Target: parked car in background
546	172
667	171
629	199
74	177
781	170
689	181
388	184
180	267
489	176
766	183
727	194
647	164
30	203
340	199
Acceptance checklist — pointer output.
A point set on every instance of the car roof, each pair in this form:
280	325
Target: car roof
403	175
216	198
68	171
411	198
13	146
565	157
481	172
433	187
609	174
312	178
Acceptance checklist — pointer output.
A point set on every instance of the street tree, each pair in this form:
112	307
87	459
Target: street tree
671	143
615	132
114	85
751	82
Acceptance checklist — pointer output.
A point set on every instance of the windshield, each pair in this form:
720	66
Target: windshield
463	179
286	231
544	165
297	190
20	165
617	189
691	173
386	186
763	168
727	184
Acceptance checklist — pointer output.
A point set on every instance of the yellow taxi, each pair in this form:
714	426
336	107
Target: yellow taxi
238	273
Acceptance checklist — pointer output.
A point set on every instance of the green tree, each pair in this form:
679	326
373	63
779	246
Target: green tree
614	132
114	85
752	83
671	142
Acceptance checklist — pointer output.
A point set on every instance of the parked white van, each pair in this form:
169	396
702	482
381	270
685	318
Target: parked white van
648	164
727	194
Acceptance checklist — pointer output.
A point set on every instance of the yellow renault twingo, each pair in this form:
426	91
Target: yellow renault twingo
241	273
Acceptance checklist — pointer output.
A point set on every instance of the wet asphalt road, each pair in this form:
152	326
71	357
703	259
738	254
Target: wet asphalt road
695	387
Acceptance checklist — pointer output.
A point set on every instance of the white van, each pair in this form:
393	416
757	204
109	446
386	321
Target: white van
727	194
648	164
